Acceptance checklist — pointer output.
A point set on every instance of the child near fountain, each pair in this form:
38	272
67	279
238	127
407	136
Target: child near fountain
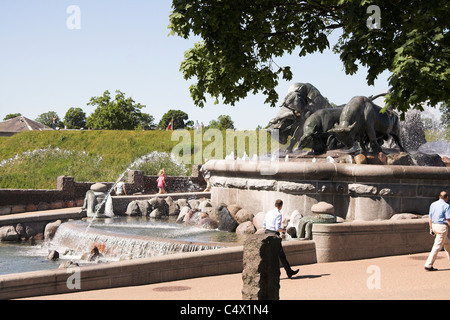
161	181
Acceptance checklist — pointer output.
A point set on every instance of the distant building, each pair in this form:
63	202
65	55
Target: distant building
12	126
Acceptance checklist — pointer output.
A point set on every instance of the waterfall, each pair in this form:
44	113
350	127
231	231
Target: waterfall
116	246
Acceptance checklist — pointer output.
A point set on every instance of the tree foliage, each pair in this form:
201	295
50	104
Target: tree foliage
119	114
11	116
241	40
48	118
75	118
223	122
180	120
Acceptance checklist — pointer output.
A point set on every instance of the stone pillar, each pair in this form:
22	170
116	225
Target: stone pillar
136	178
261	272
66	184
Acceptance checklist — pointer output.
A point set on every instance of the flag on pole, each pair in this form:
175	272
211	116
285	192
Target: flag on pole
170	126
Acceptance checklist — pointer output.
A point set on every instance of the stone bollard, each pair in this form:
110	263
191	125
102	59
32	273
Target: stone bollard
261	272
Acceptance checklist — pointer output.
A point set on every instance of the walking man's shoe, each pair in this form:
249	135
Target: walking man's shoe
430	269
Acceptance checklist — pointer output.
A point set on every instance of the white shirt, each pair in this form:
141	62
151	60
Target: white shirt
273	220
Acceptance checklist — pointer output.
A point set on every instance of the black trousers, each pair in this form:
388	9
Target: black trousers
281	254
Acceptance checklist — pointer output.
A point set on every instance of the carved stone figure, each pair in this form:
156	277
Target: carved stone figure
302	100
93	201
362	121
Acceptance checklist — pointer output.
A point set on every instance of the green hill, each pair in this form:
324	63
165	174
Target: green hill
33	160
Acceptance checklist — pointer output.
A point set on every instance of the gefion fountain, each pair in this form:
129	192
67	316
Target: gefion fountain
372	189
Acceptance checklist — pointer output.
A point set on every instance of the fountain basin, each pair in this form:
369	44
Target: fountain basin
358	192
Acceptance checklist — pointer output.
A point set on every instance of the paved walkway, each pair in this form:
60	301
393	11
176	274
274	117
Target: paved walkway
391	278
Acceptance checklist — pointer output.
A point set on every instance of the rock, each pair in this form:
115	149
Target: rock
193	217
173	207
383	158
226	221
8	233
99	187
215	212
194	203
430	160
204	204
160	208
360	159
258	220
68	264
233	208
322	208
399	159
183	212
294	221
404	216
182	203
261	268
144	207
246	228
50	229
208	223
53	255
133	209
243	215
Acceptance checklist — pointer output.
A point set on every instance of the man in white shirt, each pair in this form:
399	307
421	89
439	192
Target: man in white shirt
272	224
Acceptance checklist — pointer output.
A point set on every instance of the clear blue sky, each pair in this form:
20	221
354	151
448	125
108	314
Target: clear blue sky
124	45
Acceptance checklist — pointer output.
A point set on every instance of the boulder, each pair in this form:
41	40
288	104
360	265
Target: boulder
430	160
53	255
215	212
360	159
160	208
133	209
246	228
261	268
243	215
173	207
144	207
183	212
258	220
404	216
194	203
50	229
208	223
99	187
8	233
226	221
204	204
233	208
399	159
322	208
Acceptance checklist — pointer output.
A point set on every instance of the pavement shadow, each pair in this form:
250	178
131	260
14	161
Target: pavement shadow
308	276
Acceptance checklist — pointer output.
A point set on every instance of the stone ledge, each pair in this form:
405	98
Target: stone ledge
143	271
363	240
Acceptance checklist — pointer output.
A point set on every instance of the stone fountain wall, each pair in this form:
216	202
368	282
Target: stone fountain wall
358	192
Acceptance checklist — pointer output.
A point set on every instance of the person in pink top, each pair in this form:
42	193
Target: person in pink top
161	181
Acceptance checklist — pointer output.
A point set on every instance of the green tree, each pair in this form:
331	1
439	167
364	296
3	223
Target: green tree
180	120
223	122
241	40
49	118
75	118
118	114
11	116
